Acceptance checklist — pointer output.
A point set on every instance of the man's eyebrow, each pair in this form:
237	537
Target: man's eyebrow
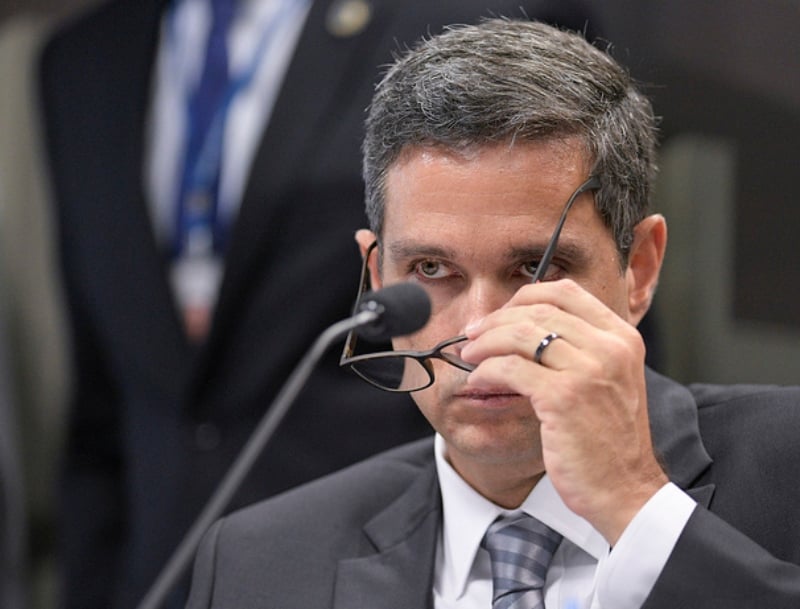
410	249
574	252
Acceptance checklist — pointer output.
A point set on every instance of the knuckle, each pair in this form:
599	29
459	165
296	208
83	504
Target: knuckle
595	368
525	331
570	286
542	314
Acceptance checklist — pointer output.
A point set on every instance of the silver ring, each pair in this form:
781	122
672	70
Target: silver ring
537	356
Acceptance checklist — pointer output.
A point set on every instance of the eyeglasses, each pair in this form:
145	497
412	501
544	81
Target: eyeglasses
397	371
409	371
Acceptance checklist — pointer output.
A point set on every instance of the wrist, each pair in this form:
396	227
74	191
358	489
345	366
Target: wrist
622	507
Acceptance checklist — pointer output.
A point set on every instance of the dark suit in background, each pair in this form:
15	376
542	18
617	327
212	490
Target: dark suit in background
155	423
373	545
12	514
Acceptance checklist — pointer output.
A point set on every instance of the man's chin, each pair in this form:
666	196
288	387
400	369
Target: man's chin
495	445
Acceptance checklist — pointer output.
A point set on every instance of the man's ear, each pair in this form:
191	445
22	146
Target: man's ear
644	264
365	238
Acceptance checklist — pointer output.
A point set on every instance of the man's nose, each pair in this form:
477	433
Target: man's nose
483	297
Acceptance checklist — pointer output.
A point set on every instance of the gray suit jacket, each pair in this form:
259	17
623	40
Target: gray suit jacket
366	537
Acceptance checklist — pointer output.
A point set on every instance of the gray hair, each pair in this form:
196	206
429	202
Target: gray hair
511	80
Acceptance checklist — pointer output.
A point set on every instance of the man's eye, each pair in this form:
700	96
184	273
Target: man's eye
528	269
431	269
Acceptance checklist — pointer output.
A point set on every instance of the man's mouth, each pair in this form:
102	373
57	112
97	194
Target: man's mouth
498	393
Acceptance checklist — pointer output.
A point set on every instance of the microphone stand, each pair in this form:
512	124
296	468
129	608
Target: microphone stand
184	553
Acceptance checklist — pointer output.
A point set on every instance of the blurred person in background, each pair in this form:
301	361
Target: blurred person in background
32	307
207	179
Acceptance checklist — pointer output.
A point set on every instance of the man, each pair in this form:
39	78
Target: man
165	395
643	493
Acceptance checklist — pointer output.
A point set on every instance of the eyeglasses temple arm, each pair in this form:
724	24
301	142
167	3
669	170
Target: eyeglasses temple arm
593	183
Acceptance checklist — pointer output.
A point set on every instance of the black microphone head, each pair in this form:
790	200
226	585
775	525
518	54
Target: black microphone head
403	309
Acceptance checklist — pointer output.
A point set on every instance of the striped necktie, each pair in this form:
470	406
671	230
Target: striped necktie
206	112
520	548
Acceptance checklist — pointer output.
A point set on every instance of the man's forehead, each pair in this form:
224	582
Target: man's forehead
542	171
499	201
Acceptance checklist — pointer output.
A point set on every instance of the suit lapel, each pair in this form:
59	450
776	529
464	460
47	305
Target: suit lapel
676	435
399	575
702	494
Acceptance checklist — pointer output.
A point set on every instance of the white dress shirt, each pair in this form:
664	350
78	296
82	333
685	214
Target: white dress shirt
584	573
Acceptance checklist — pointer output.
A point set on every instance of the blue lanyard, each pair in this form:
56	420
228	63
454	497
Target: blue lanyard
198	207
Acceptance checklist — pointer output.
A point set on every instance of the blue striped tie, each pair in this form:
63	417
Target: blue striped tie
521	548
199	181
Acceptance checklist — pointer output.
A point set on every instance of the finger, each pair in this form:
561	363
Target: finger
522	375
563	307
525	326
568	296
516	373
523	340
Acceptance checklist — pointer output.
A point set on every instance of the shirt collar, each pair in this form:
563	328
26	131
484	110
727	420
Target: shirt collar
467	514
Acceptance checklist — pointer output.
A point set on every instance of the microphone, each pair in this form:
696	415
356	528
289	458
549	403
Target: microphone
399	309
402	308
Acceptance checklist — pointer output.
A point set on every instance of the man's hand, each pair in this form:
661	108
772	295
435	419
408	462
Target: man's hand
588	392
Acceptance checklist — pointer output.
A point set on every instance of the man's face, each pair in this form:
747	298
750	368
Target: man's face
470	229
